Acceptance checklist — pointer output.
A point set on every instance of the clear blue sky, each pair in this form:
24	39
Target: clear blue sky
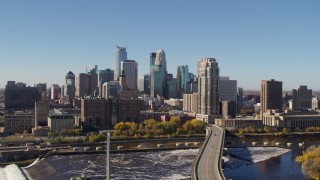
40	41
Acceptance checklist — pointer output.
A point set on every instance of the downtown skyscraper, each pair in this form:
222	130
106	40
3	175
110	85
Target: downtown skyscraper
270	96
301	98
183	78
208	88
70	85
158	73
121	55
130	69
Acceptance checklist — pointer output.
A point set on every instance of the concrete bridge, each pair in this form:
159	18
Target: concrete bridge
207	165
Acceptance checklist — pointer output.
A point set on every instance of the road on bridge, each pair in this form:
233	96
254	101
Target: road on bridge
209	165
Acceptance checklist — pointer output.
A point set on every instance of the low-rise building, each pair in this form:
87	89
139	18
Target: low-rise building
174	103
18	123
57	122
291	120
152	115
210	119
235	123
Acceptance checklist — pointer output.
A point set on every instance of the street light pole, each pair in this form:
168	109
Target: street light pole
108	132
108	158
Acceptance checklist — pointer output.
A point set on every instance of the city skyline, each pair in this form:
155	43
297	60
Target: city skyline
252	41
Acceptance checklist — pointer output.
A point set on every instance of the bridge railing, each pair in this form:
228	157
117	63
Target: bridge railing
195	163
221	153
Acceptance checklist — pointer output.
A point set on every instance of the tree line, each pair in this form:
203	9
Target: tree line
151	128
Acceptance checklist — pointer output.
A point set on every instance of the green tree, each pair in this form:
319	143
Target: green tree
310	162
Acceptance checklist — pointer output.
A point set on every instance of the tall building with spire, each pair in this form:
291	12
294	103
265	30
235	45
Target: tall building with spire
208	88
121	55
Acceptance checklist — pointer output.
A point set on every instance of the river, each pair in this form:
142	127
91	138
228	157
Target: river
177	164
282	167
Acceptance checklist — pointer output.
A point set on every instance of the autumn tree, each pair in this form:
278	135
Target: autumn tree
198	125
175	122
188	127
310	162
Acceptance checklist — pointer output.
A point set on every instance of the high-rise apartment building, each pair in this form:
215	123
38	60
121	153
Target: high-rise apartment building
130	68
121	55
301	98
70	88
270	96
208	86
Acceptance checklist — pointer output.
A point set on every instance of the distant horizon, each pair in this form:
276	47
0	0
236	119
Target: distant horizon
41	41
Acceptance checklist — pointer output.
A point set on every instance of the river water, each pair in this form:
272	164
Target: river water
282	167
177	164
140	165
